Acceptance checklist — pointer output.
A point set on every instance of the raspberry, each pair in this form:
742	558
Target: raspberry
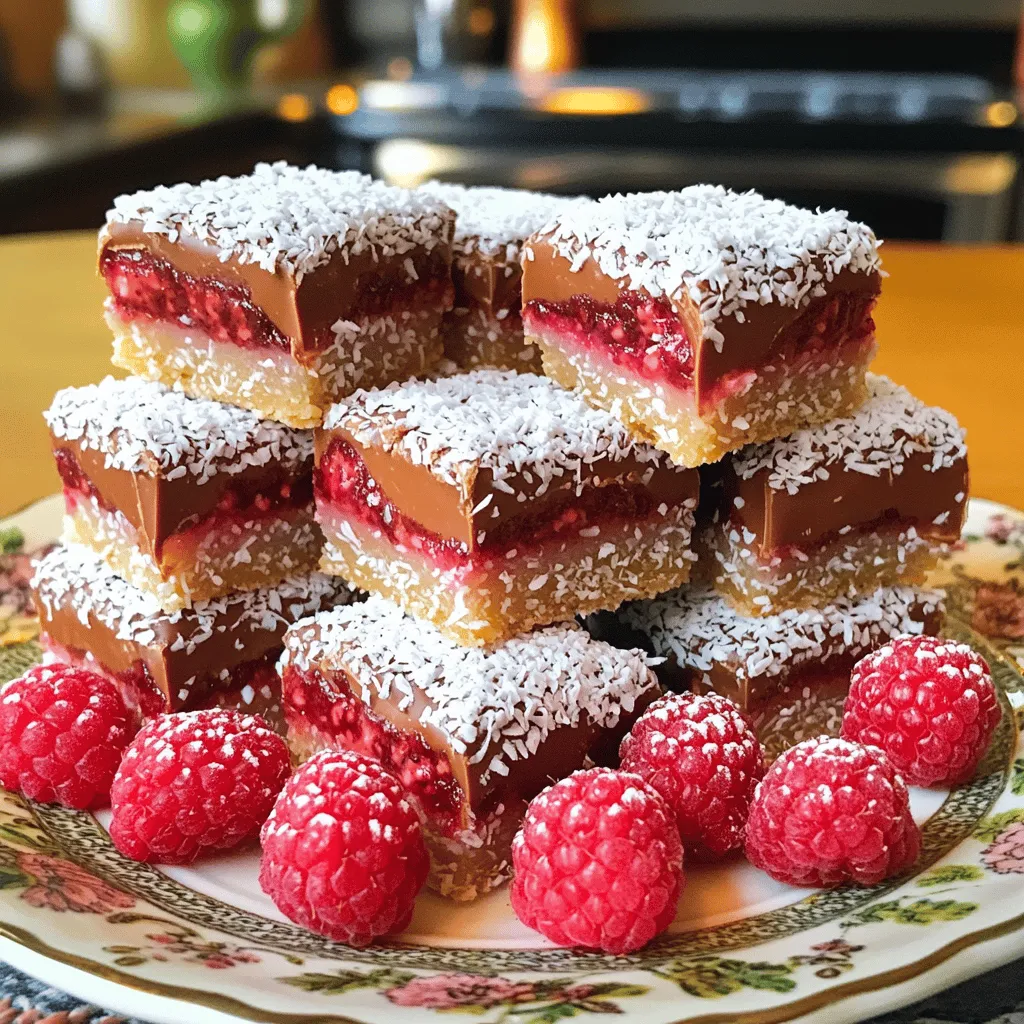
598	862
62	733
928	703
829	811
342	850
196	781
703	756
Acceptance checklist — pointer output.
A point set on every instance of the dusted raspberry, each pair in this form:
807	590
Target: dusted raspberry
829	811
342	850
702	755
929	703
194	782
62	733
598	862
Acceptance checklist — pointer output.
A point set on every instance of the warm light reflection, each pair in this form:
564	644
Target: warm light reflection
1001	114
979	174
409	162
342	99
480	21
294	107
399	69
544	38
595	100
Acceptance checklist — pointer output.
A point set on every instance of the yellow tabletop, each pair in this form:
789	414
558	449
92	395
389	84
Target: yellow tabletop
950	324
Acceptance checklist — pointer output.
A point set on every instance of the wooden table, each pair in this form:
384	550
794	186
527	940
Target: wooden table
950	323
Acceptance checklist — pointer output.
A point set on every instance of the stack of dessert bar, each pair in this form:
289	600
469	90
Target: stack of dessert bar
735	334
245	306
332	373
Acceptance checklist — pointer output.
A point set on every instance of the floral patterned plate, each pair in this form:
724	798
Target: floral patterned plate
204	944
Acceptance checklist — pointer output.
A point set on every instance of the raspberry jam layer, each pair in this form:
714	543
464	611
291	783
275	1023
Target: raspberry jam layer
338	716
143	286
646	337
147	287
242	502
343	485
642	334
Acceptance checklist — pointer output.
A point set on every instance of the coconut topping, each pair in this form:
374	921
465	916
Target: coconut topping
289	218
73	576
495	704
495	221
145	427
723	250
888	429
702	629
512	424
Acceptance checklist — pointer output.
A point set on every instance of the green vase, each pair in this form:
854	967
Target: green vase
216	40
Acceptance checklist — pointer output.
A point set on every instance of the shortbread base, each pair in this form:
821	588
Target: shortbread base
242	556
498	598
773	402
273	383
846	566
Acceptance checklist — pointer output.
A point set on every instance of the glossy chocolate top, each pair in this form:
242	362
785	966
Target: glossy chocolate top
720	251
82	604
894	457
269	231
143	427
491	225
705	634
492	711
287	219
462	454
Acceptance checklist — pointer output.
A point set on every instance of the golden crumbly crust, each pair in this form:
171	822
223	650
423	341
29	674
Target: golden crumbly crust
781	400
251	556
625	563
843	567
274	384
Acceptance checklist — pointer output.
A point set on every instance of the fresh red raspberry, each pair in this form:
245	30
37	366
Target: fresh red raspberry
929	703
62	733
196	781
598	862
829	811
343	854
703	756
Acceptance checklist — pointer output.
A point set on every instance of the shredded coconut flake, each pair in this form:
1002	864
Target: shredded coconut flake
722	249
479	698
145	427
73	576
488	419
290	218
702	630
889	428
495	221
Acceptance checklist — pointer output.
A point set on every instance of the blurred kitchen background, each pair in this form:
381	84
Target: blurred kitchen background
905	112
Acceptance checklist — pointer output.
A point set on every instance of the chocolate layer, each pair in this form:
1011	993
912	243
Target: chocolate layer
764	332
563	751
778	518
158	507
486	281
446	510
347	287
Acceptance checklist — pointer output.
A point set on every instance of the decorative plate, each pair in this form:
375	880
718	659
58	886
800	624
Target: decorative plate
205	944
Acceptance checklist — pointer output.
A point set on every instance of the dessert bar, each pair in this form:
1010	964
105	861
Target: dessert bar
490	502
865	501
278	291
791	671
185	498
471	734
217	653
485	328
705	319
